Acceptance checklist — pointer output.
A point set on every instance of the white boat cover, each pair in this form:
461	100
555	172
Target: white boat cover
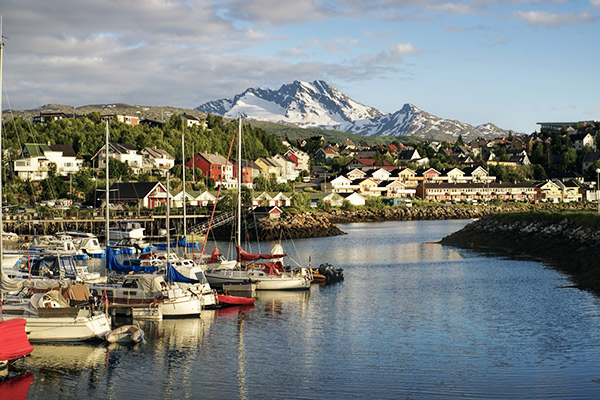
13	285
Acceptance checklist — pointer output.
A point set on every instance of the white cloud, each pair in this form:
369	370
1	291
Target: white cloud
396	52
550	19
595	3
276	12
452	8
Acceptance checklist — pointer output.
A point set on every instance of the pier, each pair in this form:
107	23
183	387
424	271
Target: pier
27	224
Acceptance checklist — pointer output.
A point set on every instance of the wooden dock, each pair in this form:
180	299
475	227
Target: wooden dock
27	224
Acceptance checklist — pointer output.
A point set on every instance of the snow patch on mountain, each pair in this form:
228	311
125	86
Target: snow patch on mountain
319	105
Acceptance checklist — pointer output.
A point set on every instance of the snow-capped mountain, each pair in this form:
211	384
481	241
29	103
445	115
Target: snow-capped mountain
319	105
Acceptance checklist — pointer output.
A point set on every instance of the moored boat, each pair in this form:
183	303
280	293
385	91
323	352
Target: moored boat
13	341
125	334
50	317
228	300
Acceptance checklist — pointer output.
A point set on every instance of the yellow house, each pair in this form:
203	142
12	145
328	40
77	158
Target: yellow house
366	186
549	191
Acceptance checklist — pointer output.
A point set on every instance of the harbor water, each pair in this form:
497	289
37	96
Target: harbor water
412	319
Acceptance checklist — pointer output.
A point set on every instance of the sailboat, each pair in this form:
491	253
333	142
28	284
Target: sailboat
48	316
143	292
268	275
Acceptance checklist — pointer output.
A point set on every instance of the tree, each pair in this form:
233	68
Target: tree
568	159
323	205
301	200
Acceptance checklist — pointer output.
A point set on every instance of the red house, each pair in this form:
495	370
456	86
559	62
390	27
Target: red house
212	166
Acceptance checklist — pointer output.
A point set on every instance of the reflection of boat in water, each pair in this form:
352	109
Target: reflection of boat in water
234	310
178	333
283	296
16	387
67	358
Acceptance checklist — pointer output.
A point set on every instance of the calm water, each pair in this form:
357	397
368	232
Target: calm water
412	319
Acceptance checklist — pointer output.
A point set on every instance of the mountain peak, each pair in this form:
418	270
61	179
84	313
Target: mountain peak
318	105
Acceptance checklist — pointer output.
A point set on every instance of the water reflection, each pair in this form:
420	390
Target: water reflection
274	302
412	319
16	387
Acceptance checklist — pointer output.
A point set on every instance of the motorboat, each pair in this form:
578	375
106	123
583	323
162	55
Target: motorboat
62	267
68	314
90	246
56	245
126	229
130	245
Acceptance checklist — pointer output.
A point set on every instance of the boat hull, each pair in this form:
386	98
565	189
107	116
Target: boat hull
283	284
66	329
182	307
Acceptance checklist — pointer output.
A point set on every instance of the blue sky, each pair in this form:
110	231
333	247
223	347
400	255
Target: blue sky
509	62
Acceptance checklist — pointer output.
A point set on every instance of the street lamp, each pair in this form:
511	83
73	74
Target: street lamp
598	187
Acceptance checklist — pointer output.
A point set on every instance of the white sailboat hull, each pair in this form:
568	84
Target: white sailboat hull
283	284
187	306
65	329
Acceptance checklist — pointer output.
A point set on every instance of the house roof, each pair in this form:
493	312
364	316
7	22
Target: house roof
491	185
157	153
214	158
122	148
66	149
35	150
132	190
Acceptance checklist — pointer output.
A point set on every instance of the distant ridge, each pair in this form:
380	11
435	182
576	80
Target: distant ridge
319	105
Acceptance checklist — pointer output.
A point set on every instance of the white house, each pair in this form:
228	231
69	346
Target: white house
301	159
354	198
204	199
37	158
380	175
356	174
125	153
177	199
288	167
156	159
191	121
341	184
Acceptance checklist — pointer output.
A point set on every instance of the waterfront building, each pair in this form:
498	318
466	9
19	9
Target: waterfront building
468	192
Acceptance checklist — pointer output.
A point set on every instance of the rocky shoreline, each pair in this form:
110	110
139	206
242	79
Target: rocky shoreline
299	224
560	240
295	225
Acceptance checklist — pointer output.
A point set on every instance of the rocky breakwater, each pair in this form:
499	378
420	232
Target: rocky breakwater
294	225
406	214
569	241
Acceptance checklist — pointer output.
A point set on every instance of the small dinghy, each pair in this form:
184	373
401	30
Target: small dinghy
227	300
125	334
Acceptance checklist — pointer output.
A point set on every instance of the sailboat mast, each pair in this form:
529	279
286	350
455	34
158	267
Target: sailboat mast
183	179
1	216
168	219
107	193
239	185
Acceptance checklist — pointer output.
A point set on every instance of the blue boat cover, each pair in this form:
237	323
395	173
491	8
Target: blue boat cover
175	276
114	265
